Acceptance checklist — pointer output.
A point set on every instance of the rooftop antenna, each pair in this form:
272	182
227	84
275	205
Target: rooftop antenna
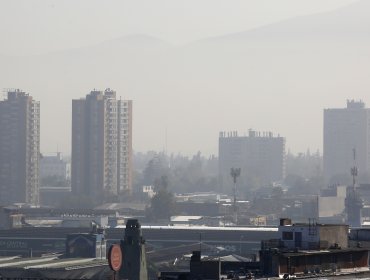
354	170
235	173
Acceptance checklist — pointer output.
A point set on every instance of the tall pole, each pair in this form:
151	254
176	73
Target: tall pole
235	173
354	170
200	244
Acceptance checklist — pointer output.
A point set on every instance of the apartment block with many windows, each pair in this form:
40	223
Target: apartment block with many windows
19	148
101	144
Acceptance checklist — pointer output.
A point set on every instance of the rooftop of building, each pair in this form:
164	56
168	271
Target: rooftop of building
296	253
208	228
52	157
312	222
315	224
185	218
251	134
354	104
50	262
15	94
53	267
351	104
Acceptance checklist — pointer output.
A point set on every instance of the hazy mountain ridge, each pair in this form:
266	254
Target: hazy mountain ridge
270	82
352	21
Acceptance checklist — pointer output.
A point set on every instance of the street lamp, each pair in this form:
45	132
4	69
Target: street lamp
240	243
235	173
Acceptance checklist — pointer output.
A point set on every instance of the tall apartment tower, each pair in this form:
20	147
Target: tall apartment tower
19	148
346	130
260	156
101	145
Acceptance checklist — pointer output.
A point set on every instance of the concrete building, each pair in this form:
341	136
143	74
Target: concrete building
261	158
55	166
332	202
101	145
346	129
311	249
312	236
19	148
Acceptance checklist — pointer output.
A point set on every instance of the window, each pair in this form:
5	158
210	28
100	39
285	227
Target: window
287	235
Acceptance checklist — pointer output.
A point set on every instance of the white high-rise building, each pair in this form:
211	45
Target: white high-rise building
19	148
101	144
346	130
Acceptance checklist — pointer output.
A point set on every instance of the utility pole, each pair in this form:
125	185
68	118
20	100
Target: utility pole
235	173
353	201
354	170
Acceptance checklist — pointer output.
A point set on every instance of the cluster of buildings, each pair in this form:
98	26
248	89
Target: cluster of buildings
101	148
101	161
290	250
85	255
261	156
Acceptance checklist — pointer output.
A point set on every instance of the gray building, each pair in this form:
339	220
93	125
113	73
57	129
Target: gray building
346	129
101	145
19	148
261	157
55	166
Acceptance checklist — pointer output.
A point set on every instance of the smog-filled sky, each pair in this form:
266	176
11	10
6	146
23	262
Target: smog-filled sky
192	68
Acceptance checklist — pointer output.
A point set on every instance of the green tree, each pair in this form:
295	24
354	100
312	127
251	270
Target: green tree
162	205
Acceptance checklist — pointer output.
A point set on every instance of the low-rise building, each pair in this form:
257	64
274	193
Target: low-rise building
311	248
312	236
332	201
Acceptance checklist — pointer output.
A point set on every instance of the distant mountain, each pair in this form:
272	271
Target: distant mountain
351	22
129	43
277	78
141	40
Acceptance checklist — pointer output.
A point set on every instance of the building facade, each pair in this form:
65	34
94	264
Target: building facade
310	250
55	166
19	148
261	157
345	130
101	144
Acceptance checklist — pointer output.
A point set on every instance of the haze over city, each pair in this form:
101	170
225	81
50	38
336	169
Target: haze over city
250	64
184	139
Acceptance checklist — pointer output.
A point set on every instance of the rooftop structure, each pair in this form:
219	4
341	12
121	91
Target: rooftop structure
133	246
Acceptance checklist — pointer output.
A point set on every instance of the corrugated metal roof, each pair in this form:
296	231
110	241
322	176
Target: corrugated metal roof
63	263
25	261
51	263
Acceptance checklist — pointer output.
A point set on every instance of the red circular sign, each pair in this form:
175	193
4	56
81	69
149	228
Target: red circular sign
115	257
